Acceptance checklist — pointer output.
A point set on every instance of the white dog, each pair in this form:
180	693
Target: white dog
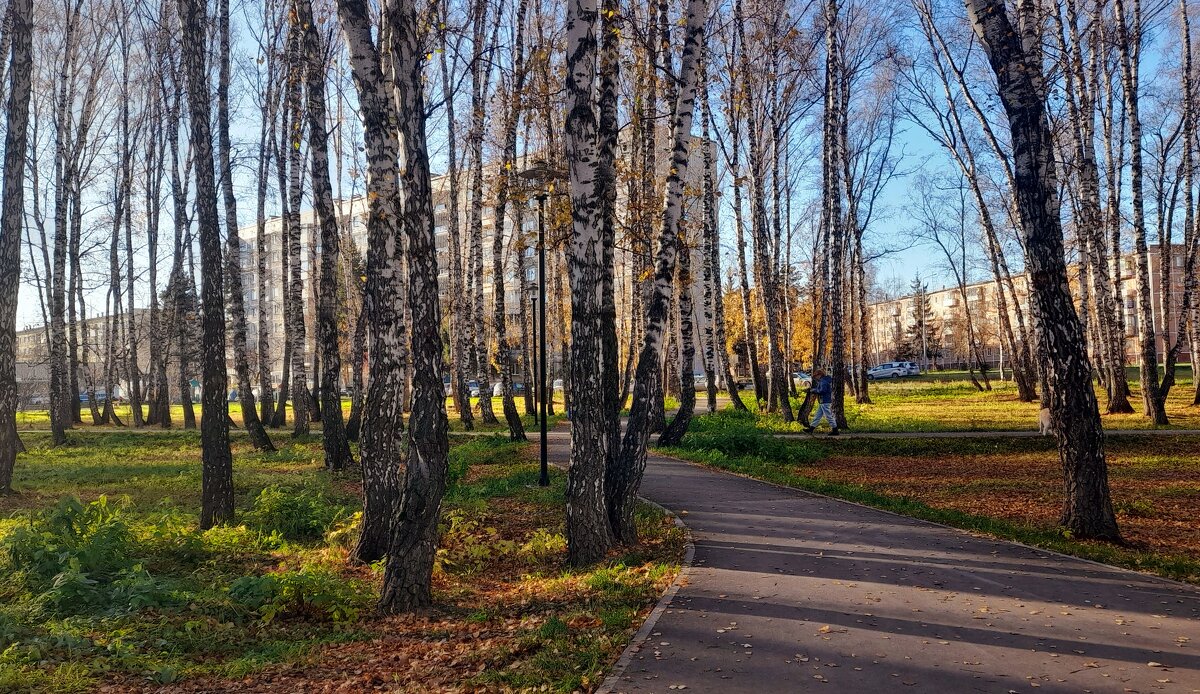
1045	425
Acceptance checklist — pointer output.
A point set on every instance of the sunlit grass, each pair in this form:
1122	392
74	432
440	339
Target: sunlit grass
509	614
950	403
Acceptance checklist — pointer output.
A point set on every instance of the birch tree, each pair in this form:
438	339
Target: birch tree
216	505
588	534
512	116
16	136
337	447
233	262
409	573
624	480
1087	509
383	423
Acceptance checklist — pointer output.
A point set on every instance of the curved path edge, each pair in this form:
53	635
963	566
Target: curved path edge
639	637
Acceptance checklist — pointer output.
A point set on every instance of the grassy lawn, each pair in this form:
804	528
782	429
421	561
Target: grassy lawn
948	402
1009	488
106	582
38	420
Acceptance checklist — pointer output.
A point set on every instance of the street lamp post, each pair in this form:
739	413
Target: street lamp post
543	176
544	479
533	317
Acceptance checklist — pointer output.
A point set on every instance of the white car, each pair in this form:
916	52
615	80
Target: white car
893	369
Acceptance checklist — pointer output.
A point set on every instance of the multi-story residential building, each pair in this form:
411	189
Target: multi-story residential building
352	215
889	320
33	354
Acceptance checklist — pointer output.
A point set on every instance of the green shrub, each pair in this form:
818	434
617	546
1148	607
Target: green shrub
91	539
294	513
736	434
467	545
310	593
77	556
544	545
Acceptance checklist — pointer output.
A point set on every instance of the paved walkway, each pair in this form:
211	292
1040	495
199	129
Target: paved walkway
794	592
1018	434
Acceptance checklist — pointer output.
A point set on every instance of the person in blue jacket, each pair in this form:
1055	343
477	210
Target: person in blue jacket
823	389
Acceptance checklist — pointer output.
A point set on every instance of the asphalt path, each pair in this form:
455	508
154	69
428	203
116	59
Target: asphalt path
794	592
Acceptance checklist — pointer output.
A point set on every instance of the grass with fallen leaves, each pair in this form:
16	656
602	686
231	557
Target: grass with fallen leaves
948	402
1010	488
106	583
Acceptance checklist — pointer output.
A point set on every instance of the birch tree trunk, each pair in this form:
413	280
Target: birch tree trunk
233	264
588	533
714	296
409	572
266	151
1087	511
481	72
11	221
337	447
675	431
176	292
381	441
217	472
1080	100
512	116
624	481
1187	301
159	398
301	410
460	348
606	134
1128	48
833	202
283	162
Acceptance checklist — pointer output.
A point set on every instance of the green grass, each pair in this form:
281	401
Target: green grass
948	402
732	441
121	586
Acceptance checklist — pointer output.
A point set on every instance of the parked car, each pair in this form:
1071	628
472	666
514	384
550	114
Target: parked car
517	386
473	388
700	381
802	379
446	385
558	384
893	369
101	396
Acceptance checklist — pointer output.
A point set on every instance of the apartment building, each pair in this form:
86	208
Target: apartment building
33	353
352	219
889	320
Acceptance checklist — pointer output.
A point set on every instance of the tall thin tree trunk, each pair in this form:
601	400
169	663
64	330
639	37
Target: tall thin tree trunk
409	573
233	261
588	534
1128	48
337	447
623	482
217	468
460	347
11	221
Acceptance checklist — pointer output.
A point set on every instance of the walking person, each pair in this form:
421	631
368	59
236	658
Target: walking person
823	389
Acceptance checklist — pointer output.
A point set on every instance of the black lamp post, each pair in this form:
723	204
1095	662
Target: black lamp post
544	177
533	317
